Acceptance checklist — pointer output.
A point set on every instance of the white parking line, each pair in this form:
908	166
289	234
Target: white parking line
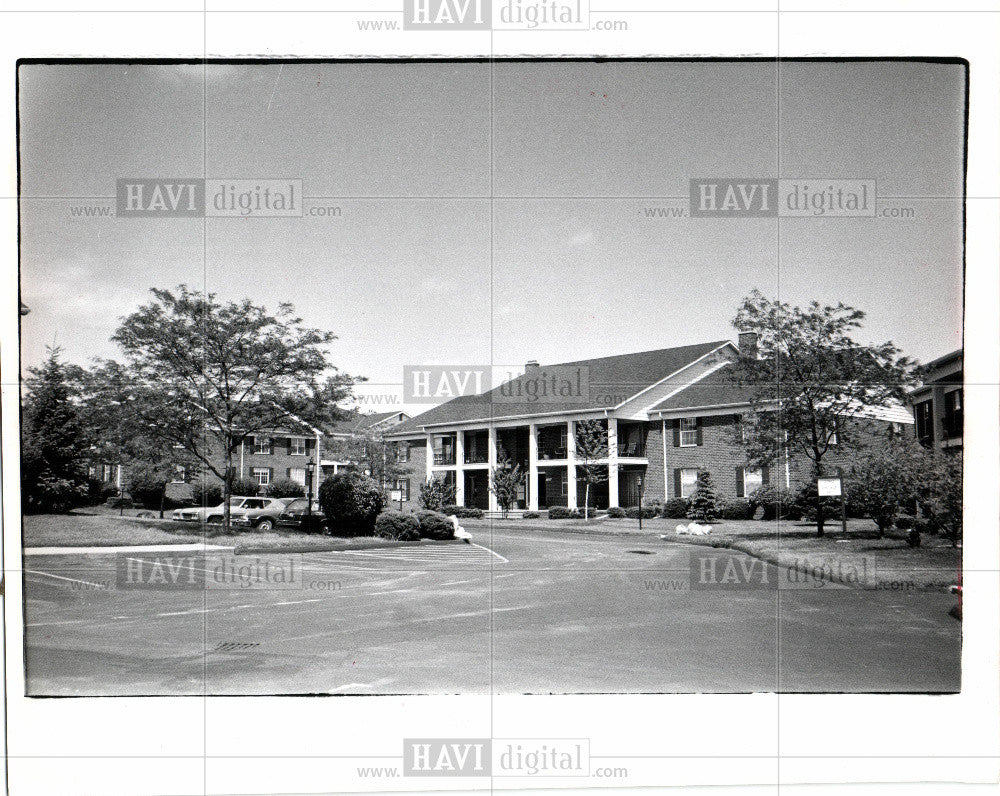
71	580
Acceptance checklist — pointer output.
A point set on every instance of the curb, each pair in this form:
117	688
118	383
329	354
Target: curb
248	550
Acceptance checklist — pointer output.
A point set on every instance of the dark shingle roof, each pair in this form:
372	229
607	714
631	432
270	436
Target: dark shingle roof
612	380
358	422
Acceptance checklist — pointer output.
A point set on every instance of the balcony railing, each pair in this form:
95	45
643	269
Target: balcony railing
553	452
444	458
476	457
631	449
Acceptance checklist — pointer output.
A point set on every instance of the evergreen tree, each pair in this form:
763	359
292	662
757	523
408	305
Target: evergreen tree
52	470
703	505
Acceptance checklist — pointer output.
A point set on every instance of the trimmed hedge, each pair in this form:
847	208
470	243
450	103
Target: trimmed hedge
397	525
737	510
675	508
563	513
285	488
904	522
531	515
435	525
462	512
616	512
632	512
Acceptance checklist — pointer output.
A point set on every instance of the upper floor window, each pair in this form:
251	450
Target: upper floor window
923	415
262	445
297	446
953	413
403	452
688	431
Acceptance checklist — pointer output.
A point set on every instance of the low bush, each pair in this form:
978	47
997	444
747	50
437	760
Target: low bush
632	512
246	487
564	513
675	508
616	512
397	525
904	522
775	503
737	510
435	525
531	515
207	494
462	512
923	525
286	488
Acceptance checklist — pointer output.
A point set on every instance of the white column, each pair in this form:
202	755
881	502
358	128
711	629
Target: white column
429	458
491	460
318	469
612	461
459	468
571	463
532	467
666	480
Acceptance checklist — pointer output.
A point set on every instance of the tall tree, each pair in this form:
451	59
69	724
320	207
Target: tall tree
369	451
812	386
591	447
53	445
884	476
205	374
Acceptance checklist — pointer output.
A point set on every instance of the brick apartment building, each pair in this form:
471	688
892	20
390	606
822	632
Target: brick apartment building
938	403
667	414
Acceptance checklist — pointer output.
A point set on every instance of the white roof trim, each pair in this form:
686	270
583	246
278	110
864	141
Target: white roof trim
728	343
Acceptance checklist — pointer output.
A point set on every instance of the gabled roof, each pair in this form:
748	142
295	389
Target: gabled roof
611	380
358	422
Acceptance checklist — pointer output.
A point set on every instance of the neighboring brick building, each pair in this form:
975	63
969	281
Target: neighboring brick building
938	404
667	414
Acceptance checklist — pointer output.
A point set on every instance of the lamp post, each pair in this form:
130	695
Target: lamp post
310	470
638	479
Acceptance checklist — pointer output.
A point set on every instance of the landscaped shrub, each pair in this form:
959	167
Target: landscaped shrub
351	502
904	522
530	515
286	488
923	525
737	510
703	506
632	512
676	508
244	487
207	494
397	525
563	513
615	512
805	504
775	503
463	512
435	525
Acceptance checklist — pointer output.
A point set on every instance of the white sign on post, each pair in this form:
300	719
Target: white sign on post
395	495
828	487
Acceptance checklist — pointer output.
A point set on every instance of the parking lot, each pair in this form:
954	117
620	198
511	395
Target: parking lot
520	611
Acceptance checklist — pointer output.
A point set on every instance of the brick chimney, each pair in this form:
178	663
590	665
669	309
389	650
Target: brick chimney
748	345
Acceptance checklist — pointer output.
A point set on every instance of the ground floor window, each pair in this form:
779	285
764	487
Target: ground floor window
688	481
262	475
297	474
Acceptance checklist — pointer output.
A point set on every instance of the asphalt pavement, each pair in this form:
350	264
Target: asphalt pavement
518	611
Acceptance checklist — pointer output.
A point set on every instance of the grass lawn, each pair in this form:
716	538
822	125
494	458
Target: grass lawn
858	557
108	529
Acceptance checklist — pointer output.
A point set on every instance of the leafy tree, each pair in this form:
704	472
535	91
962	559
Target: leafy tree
244	487
703	505
436	493
591	445
885	476
369	452
205	374
812	387
52	442
505	480
941	498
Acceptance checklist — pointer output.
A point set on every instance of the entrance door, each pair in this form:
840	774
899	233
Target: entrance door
542	499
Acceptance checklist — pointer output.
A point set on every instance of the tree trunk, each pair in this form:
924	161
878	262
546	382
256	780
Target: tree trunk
586	501
819	503
227	490
163	499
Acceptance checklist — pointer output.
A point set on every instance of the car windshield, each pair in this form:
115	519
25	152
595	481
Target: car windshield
297	504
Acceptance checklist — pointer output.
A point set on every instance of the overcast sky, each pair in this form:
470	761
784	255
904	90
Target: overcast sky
449	276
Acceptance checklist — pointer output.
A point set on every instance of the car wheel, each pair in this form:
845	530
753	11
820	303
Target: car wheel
265	525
